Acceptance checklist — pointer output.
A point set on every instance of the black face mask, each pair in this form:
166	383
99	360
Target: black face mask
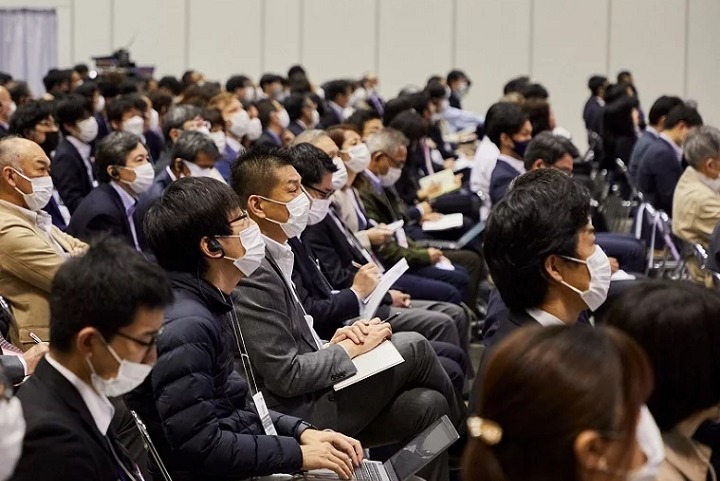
51	142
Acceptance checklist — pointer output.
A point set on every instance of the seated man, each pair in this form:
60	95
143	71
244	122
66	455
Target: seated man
196	407
510	130
659	170
295	370
31	248
178	119
696	204
104	348
125	172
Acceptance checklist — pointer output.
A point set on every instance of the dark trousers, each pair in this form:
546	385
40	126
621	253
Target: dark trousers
629	251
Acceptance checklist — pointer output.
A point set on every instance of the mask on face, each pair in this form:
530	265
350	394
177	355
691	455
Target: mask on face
315	119
42	190
359	158
444	104
298	210
318	211
87	129
154	123
254	129
392	176
144	175
463	88
340	176
239	123
219	139
12	107
283	119
99	104
598	266
651	443
249	94
129	376
197	171
134	125
520	147
252	241
52	139
712	184
203	130
12	427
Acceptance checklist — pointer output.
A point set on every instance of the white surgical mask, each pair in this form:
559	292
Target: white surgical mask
219	139
197	171
598	266
392	176
11	109
87	129
42	190
12	427
340	176
249	94
99	104
284	118
318	211
154	119
359	158
254	129
239	124
315	119
651	443
252	241
129	376
298	211
463	88
134	125
712	184
144	175
203	130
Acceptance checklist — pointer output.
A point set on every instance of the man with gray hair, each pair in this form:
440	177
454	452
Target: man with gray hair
696	203
31	248
178	119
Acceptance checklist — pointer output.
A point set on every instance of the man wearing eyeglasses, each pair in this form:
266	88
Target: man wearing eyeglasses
107	312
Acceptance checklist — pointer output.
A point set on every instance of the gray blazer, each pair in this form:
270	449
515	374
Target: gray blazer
295	377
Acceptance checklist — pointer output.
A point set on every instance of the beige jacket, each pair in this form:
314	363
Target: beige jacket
685	458
28	262
696	208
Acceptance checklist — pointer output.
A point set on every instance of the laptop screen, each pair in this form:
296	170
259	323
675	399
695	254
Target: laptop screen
423	449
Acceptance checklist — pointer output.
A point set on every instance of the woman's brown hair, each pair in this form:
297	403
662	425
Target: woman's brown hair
543	387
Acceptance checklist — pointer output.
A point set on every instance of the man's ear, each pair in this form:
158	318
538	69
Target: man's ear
210	248
255	208
538	164
174	134
506	141
551	268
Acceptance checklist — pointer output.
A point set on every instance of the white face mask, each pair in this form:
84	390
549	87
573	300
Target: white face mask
392	176
284	119
197	171
651	443
42	190
134	125
598	266
219	139
11	109
359	158
340	176
712	184
154	123
144	176
249	94
463	89
129	376
298	211
254	129
252	241
203	130
12	427
315	119
318	211
87	129
99	104
239	124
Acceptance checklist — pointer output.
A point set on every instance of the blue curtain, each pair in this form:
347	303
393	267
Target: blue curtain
28	44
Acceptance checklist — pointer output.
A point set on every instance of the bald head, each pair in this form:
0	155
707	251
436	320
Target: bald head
20	160
7	106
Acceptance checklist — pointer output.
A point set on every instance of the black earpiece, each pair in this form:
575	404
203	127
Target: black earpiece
114	172
214	246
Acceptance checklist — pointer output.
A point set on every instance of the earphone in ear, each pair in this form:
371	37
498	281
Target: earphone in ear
114	171
214	246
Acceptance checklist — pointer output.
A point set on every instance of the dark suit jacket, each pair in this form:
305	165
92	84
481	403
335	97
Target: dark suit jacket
13	368
62	442
658	174
330	118
296	128
3	132
101	212
70	175
267	139
639	153
329	310
53	209
455	100
592	115
502	175
714	250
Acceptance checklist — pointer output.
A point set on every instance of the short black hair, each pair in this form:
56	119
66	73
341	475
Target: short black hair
296	69
508	118
171	83
113	150
55	78
72	109
18	90
161	101
676	323
311	163
360	117
538	112
623	75
546	146
82	69
393	107
535	91
87	89
255	172
236	82
596	82
661	107
190	208
5	78
265	108
104	289
294	105
335	88
540	215
176	117
27	116
269	78
190	144
516	85
435	90
683	113
420	101
411	124
455	75
117	108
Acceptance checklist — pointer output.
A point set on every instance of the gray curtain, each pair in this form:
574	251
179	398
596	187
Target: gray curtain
28	44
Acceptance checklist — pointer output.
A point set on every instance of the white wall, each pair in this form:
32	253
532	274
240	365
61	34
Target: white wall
670	45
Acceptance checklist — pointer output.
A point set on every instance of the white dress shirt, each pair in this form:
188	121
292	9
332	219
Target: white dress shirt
39	219
544	318
485	160
128	202
100	408
84	150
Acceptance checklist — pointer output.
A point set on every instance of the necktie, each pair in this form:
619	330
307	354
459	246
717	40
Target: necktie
8	348
354	243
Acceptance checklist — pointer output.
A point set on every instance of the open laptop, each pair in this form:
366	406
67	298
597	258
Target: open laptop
467	237
414	456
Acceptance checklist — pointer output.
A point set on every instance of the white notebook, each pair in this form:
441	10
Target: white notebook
378	360
446	222
371	303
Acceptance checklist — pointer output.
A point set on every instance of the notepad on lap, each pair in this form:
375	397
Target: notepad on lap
371	303
446	222
445	179
378	360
